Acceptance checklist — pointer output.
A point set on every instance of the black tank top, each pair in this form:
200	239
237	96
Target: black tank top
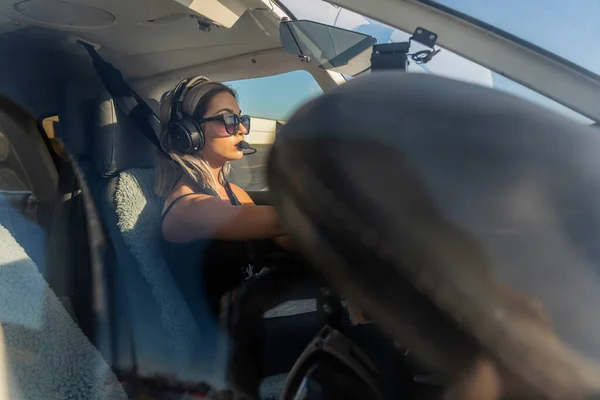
205	269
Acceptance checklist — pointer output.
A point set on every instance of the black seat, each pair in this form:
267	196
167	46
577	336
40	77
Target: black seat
447	210
68	256
75	114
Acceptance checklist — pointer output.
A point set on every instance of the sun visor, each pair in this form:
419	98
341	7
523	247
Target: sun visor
332	48
222	12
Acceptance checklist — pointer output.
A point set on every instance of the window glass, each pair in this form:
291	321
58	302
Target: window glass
12	175
50	125
569	29
445	63
18	207
270	101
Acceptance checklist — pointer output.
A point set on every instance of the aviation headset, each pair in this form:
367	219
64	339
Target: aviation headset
186	134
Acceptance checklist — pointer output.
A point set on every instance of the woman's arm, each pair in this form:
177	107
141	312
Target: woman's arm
201	216
284	241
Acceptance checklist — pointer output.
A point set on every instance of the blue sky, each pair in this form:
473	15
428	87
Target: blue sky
275	97
569	30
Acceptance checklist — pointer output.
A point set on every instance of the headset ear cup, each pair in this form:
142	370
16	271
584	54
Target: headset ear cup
179	137
186	135
198	135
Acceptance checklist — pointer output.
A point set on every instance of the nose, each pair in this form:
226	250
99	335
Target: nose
241	130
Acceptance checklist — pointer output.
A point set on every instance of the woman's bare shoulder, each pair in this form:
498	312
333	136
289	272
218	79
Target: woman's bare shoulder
182	188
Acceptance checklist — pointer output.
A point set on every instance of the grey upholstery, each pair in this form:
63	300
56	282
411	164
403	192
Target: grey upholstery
22	226
46	354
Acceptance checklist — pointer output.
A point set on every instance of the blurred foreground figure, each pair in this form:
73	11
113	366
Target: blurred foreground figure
464	221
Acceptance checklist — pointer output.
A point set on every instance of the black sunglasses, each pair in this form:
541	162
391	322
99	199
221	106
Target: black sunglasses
231	121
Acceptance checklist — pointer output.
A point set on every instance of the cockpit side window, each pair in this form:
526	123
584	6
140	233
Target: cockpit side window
12	173
269	101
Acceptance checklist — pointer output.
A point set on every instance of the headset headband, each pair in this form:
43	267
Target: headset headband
181	90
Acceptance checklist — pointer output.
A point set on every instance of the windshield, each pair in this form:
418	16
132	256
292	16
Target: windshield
567	29
445	63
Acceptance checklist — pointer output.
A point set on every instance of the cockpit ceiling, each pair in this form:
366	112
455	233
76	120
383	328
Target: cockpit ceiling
141	37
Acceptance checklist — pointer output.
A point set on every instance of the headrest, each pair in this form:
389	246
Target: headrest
118	144
463	219
76	113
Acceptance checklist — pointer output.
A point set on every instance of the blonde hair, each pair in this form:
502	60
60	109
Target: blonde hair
196	96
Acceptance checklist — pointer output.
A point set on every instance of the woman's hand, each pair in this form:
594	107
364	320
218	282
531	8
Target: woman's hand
285	242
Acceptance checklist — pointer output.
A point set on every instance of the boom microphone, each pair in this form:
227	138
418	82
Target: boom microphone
243	145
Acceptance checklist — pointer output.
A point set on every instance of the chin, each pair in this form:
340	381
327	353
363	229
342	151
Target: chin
236	156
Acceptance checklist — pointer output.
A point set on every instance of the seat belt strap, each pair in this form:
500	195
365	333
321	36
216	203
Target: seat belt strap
138	111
